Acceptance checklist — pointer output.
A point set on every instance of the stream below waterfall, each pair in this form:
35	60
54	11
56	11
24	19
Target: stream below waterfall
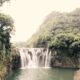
43	74
35	65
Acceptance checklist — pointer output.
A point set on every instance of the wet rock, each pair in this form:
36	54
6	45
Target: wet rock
65	62
77	75
16	62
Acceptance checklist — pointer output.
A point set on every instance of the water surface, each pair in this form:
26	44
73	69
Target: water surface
43	74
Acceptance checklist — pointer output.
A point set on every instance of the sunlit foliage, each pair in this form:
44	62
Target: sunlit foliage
60	31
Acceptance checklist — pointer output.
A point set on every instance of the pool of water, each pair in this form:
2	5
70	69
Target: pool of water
43	74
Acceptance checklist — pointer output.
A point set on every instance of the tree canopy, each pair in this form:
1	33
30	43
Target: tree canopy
6	27
58	31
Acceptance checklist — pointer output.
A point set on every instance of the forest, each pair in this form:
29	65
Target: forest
59	31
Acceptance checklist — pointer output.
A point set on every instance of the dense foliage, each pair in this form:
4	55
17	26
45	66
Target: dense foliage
60	31
6	27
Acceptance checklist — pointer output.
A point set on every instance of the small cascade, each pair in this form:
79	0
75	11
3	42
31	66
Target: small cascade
34	57
48	58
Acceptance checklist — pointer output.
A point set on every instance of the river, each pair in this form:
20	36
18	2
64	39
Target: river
42	74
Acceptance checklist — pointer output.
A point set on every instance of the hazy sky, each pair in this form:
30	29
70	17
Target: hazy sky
29	14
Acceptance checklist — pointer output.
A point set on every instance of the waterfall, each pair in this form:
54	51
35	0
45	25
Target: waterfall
34	57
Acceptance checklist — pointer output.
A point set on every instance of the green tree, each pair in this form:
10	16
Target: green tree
60	31
6	26
3	1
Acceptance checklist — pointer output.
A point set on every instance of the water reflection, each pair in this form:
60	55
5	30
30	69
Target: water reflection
43	74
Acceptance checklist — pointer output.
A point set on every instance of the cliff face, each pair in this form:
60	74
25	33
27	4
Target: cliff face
16	62
8	66
55	61
64	62
5	69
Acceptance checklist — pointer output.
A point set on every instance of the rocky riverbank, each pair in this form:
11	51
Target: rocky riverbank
64	62
77	75
8	65
55	61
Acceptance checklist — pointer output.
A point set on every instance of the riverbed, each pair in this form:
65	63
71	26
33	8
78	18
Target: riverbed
43	74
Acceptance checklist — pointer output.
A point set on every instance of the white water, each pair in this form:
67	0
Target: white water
34	57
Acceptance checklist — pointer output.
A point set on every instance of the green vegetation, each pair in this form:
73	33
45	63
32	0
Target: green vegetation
6	27
61	32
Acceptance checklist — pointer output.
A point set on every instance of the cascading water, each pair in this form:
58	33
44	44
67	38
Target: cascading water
34	57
